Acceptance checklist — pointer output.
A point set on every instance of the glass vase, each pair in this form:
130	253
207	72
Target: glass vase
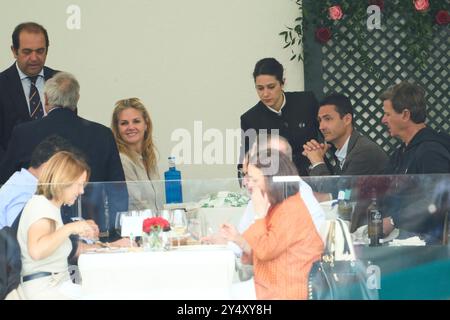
153	241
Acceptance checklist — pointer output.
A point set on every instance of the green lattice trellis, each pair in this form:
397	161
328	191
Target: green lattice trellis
338	67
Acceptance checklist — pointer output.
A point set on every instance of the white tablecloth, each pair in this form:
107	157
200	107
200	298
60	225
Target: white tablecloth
204	273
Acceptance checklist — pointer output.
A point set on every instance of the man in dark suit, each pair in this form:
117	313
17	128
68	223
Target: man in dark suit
94	140
292	114
29	47
354	154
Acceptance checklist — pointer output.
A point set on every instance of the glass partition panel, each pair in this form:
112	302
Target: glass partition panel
213	201
398	225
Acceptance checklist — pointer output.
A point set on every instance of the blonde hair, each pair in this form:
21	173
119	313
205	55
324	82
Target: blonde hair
149	151
62	169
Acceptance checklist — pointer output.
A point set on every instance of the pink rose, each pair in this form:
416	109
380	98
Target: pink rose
442	17
335	13
421	5
323	35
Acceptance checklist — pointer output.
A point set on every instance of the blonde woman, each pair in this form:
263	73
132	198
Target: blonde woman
42	236
132	129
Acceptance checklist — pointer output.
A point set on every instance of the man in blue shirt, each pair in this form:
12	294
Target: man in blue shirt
21	186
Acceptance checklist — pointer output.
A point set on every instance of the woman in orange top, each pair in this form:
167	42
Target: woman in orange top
282	243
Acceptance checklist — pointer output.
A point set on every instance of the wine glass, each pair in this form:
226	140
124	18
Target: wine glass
178	224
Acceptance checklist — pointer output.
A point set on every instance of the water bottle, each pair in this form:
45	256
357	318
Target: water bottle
172	179
375	222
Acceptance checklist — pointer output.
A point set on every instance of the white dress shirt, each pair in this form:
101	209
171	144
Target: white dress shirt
26	85
341	153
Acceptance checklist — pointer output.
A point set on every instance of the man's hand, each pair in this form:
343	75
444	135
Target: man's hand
388	226
315	151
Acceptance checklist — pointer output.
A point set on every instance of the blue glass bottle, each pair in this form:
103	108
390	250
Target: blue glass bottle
172	179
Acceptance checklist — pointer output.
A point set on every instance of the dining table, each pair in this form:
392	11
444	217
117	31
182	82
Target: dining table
184	272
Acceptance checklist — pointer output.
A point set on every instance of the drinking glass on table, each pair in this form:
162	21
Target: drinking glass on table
119	219
195	228
178	224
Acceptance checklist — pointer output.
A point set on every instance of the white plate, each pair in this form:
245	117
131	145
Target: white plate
106	250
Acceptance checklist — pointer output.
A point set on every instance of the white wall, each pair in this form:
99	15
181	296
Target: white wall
187	60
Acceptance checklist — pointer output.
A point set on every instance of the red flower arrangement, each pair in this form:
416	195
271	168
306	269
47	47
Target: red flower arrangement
442	17
155	224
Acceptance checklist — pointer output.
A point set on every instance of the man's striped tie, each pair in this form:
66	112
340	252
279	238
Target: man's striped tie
36	108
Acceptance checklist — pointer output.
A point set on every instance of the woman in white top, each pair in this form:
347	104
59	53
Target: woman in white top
132	129
43	238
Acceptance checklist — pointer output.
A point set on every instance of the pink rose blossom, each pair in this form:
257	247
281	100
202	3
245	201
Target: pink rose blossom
421	5
335	13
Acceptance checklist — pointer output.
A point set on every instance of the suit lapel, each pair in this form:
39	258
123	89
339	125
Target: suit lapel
17	94
48	73
351	143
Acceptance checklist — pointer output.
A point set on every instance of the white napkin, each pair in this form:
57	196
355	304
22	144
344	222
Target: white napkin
360	236
413	241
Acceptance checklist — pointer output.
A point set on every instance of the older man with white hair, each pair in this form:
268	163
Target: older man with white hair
94	140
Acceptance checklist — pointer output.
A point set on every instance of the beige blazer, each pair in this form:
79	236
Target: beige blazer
145	192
